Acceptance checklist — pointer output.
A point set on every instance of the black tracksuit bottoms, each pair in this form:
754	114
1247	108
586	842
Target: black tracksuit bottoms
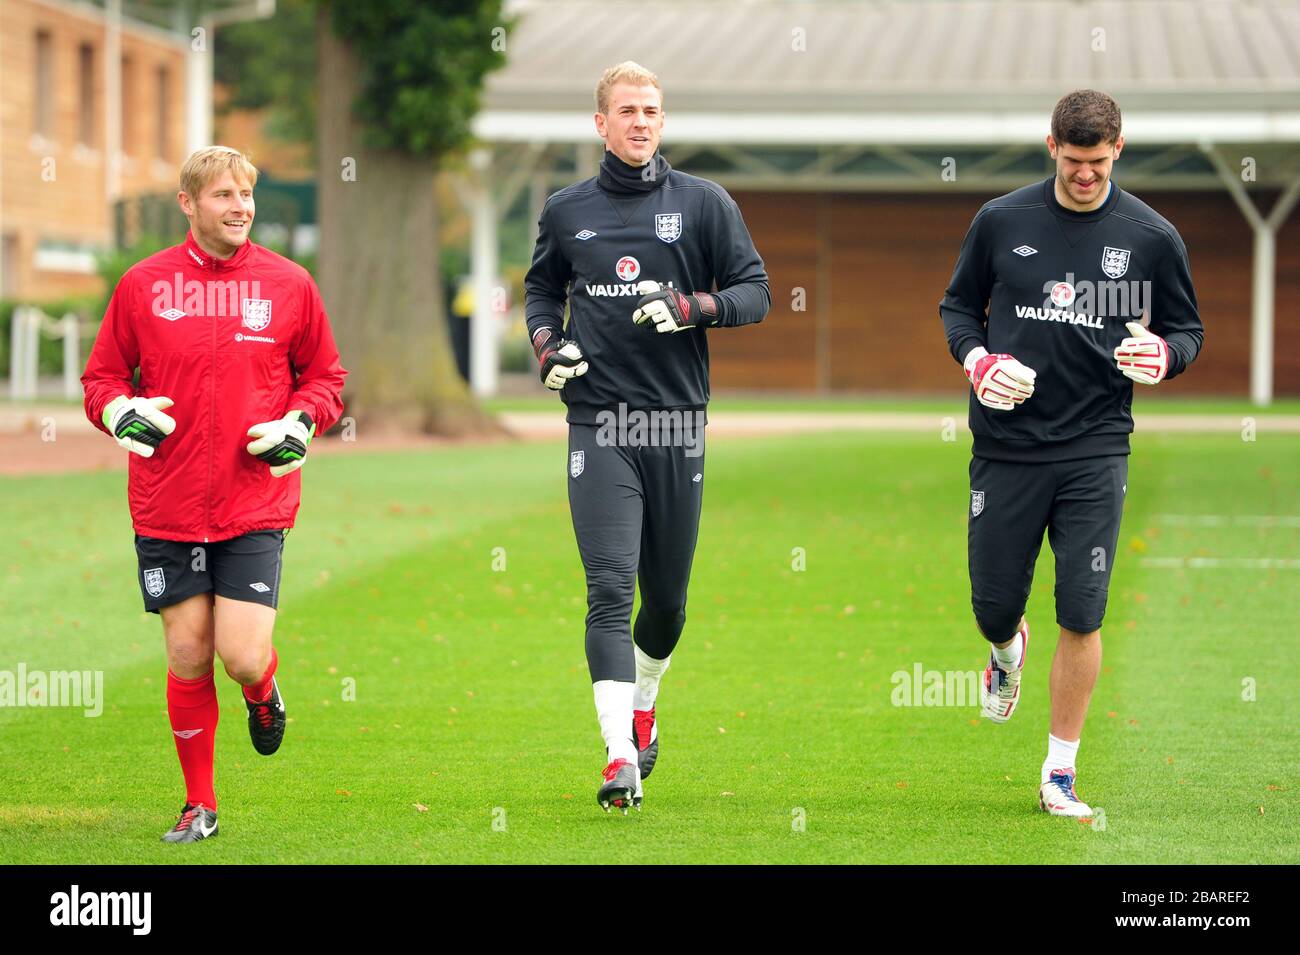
636	514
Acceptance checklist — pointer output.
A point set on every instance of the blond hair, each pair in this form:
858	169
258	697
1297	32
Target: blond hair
625	72
206	164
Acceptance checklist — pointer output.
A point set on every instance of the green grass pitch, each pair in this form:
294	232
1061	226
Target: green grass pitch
472	736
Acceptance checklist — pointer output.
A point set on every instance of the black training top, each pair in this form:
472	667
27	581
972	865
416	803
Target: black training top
1058	287
597	239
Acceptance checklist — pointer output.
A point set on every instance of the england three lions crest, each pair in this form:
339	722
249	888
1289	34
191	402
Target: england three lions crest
577	463
256	312
1114	262
976	503
668	226
155	582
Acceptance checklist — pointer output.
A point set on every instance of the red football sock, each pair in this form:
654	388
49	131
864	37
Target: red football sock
193	711
260	691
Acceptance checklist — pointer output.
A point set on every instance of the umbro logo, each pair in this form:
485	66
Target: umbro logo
188	734
172	314
1025	251
260	587
584	235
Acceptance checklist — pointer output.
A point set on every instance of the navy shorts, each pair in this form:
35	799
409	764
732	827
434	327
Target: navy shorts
242	568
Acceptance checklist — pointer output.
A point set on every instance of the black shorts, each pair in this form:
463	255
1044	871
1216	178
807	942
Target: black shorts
242	568
1078	503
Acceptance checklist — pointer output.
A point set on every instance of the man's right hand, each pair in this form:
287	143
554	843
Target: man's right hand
1000	382
560	360
139	424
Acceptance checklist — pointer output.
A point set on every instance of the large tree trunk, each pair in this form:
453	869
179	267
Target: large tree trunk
379	271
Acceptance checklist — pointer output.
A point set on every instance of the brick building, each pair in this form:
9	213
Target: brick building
76	134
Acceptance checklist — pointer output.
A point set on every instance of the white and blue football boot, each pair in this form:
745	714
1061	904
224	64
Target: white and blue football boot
1058	798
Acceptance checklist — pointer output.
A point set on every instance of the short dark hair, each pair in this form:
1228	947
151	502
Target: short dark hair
1085	118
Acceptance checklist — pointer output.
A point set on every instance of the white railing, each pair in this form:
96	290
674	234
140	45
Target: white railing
29	323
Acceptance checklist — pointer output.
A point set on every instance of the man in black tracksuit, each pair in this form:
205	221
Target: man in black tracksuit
635	251
1087	289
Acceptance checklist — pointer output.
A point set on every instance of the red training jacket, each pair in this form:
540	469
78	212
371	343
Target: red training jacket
233	343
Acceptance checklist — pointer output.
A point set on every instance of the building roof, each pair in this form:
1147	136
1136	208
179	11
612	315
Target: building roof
908	56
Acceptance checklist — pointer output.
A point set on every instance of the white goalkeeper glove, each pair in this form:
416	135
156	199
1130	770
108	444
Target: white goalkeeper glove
139	424
283	443
670	310
1144	357
1000	382
559	361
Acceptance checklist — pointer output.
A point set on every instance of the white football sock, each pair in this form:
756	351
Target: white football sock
614	710
648	673
1008	657
1060	755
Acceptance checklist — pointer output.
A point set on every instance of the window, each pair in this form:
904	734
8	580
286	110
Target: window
43	118
129	145
86	92
164	111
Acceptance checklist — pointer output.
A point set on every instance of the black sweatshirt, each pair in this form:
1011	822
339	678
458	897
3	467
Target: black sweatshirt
1059	286
597	239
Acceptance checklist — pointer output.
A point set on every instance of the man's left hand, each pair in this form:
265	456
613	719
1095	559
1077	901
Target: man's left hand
1144	357
283	443
670	310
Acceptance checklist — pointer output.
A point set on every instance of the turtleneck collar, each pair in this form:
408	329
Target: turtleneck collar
204	260
620	179
1072	215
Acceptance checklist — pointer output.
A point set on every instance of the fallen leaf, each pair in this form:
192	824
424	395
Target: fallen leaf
419	807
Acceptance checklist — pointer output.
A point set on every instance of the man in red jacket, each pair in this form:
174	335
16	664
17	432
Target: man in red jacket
231	342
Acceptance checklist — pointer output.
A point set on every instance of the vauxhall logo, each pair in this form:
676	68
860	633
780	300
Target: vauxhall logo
1086	302
627	268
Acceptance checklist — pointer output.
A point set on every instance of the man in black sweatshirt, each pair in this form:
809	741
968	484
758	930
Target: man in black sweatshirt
1065	293
636	251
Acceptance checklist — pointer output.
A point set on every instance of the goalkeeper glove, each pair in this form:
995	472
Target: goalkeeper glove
139	423
1000	382
558	361
1144	357
670	310
283	443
